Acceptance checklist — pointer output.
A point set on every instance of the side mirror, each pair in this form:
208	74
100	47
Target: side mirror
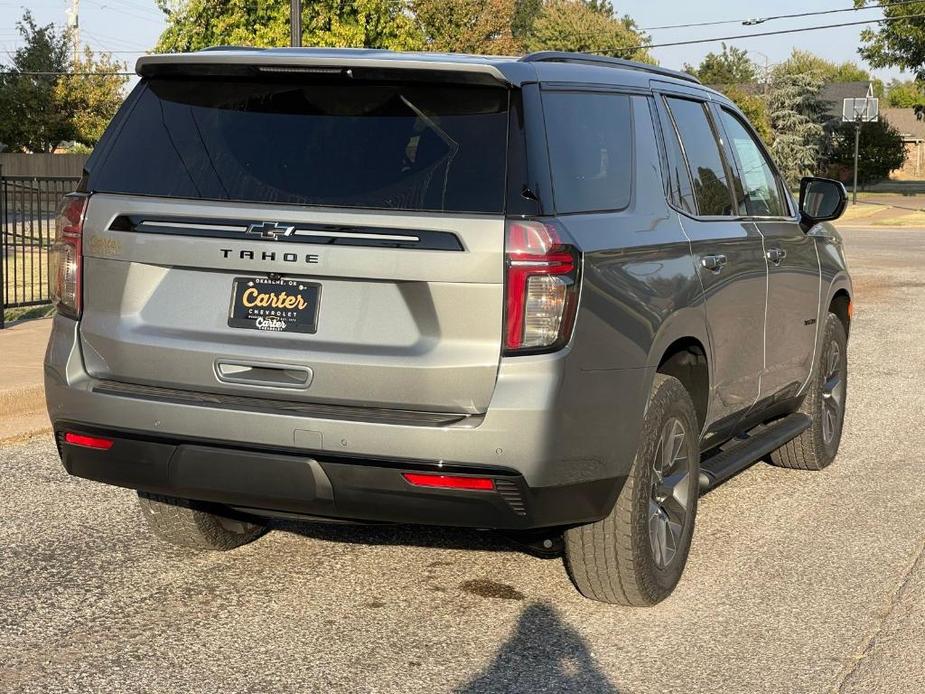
821	200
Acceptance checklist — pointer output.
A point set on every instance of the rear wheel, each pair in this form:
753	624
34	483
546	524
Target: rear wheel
635	556
825	402
186	524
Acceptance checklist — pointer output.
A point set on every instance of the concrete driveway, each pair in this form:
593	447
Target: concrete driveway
798	581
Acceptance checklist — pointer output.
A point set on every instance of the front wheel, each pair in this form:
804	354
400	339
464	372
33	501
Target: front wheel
825	402
635	556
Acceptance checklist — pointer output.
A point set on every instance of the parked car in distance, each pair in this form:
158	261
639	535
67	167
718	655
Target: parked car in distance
558	296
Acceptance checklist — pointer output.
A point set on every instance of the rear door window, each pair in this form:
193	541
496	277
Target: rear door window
704	158
367	145
590	140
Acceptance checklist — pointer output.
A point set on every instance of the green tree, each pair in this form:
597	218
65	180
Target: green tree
908	94
730	66
29	119
467	26
897	43
801	62
796	114
89	101
755	109
525	13
881	151
587	27
197	24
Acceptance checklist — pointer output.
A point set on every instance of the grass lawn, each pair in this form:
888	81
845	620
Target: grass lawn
25	276
887	211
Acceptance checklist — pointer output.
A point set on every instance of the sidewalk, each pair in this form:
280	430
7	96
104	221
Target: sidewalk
22	396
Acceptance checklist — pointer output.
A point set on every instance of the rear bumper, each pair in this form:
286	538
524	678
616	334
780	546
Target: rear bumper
287	482
564	438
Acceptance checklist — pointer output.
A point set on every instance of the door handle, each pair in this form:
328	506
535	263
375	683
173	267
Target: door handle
714	263
259	374
776	255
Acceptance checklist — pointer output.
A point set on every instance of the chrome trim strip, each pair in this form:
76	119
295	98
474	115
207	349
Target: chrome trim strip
194	225
356	235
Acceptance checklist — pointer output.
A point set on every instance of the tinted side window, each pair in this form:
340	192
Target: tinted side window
680	192
761	192
590	140
711	187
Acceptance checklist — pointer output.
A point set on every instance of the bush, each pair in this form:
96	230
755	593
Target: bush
881	151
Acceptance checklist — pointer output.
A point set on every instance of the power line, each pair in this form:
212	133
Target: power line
627	49
127	13
771	33
751	21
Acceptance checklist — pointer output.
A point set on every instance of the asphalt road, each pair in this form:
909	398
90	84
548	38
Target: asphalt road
797	581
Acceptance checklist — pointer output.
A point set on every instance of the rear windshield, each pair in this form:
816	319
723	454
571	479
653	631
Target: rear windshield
383	146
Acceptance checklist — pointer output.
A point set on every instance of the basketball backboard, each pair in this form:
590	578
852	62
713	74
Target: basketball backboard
861	109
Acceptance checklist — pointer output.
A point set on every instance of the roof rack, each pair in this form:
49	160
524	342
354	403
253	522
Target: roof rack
228	48
605	61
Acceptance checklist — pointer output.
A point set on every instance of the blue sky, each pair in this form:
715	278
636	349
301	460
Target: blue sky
129	27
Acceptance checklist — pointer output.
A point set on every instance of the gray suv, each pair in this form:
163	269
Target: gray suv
558	296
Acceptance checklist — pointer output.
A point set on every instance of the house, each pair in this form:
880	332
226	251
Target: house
910	124
834	94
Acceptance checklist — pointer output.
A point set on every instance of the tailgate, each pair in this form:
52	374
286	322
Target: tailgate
412	324
301	236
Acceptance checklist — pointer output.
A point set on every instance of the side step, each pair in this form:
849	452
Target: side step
759	442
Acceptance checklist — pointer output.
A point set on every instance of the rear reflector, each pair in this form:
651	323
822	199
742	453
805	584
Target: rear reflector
449	481
96	442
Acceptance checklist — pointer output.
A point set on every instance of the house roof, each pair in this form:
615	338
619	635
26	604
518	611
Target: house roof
834	94
906	121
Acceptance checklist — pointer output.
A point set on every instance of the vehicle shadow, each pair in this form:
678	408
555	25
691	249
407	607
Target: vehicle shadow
436	537
544	654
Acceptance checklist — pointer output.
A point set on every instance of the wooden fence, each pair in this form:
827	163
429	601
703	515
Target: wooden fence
42	165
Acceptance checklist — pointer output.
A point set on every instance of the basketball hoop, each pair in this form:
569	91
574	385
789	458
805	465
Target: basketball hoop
859	110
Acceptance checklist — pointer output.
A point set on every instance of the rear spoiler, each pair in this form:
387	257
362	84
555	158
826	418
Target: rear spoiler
349	63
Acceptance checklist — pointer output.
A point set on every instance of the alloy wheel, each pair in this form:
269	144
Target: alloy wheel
670	498
833	394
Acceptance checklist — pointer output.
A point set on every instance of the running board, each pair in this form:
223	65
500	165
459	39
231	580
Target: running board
759	442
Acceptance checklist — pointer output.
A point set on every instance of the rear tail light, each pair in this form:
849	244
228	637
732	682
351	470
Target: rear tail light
449	481
65	255
540	288
84	441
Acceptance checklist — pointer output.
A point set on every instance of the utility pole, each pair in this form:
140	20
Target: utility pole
295	22
73	26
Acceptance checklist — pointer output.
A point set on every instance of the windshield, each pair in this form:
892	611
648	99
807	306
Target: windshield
383	146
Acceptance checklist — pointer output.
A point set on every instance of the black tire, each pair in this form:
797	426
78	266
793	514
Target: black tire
825	401
186	524
615	560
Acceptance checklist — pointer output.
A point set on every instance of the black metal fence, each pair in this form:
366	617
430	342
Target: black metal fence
27	228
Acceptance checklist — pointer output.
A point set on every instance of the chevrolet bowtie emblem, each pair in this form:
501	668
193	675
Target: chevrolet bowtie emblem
270	230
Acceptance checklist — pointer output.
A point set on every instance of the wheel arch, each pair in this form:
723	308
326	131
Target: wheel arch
839	299
682	349
841	305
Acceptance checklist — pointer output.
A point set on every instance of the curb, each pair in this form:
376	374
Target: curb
24	436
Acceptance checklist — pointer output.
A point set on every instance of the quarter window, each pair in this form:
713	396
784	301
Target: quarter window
761	194
704	158
590	150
